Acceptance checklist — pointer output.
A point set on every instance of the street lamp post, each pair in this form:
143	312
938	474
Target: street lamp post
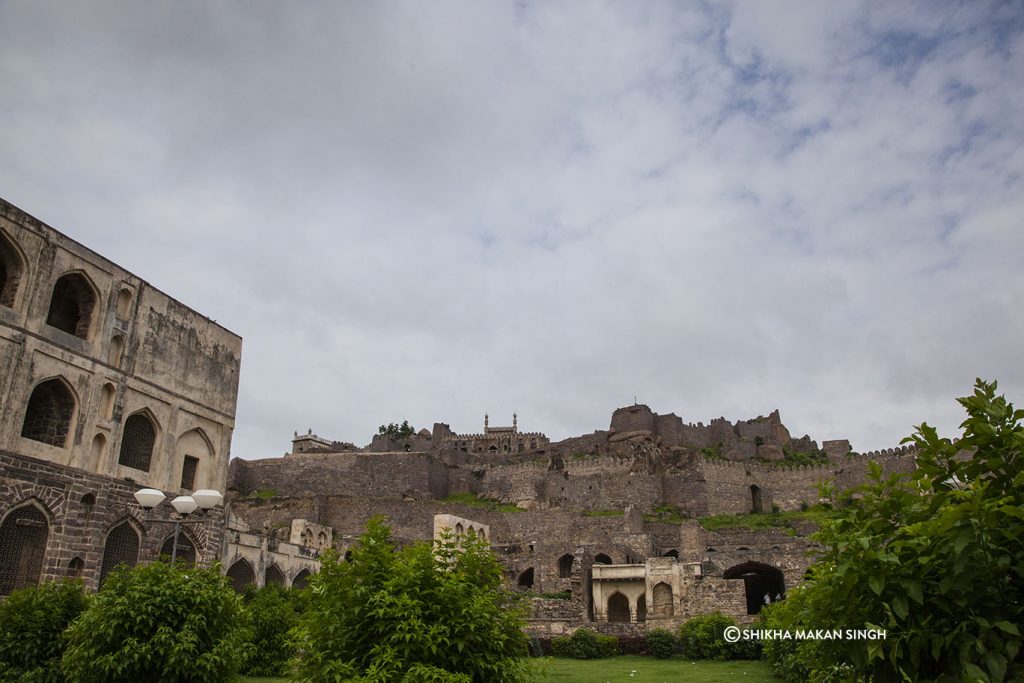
203	500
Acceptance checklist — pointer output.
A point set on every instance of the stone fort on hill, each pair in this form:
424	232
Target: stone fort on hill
110	385
604	529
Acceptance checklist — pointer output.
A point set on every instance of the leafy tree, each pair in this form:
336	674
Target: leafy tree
393	430
160	623
426	612
934	558
32	621
273	612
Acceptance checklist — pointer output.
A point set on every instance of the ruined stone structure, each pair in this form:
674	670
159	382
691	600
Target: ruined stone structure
603	528
107	385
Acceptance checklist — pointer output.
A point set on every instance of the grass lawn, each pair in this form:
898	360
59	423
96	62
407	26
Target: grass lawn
651	670
648	670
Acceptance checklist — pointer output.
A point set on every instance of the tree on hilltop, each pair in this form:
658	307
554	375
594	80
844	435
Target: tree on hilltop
402	431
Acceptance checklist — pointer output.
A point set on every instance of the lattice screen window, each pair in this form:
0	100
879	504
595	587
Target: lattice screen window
49	412
241	575
71	305
122	547
137	442
186	550
188	472
22	546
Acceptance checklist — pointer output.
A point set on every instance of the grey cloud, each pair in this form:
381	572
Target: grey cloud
423	212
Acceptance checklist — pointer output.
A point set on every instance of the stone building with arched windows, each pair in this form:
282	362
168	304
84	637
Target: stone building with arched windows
107	385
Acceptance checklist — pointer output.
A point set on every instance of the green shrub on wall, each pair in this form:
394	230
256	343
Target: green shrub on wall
32	621
585	644
158	623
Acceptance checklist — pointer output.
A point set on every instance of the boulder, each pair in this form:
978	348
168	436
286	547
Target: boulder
770	452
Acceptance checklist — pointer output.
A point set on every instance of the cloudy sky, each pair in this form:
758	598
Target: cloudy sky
426	211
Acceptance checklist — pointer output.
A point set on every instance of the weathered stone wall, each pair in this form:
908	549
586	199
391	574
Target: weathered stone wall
135	349
81	508
353	474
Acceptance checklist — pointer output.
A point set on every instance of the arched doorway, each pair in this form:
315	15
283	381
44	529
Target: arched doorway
48	415
23	537
565	566
618	608
641	608
241	575
301	579
526	579
71	305
273	577
763	584
755	499
662	598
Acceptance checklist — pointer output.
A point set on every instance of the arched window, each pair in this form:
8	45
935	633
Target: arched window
23	536
459	530
663	604
186	549
301	579
194	451
526	579
601	558
75	567
762	584
49	412
321	541
12	267
273	577
137	442
565	566
241	575
121	548
755	499
618	608
71	305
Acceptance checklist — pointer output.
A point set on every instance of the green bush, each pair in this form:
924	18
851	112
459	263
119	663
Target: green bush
426	612
160	623
585	644
273	612
935	558
662	643
32	621
701	638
